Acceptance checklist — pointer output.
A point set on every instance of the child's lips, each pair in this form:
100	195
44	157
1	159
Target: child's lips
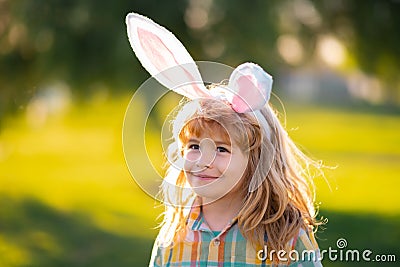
204	176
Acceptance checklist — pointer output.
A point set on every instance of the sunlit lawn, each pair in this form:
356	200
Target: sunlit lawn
363	148
67	198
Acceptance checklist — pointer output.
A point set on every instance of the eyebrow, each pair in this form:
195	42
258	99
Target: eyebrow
194	140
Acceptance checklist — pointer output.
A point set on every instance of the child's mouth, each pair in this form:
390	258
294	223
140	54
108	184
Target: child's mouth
205	177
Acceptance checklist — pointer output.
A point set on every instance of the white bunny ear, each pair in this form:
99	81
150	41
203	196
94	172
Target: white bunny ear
251	87
164	57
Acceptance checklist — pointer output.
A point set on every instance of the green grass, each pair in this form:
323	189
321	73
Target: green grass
67	198
363	148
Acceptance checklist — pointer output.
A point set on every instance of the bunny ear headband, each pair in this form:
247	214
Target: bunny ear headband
249	86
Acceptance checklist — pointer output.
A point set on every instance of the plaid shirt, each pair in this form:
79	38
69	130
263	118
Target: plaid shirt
203	247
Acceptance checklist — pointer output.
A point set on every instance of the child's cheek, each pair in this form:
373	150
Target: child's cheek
192	156
225	162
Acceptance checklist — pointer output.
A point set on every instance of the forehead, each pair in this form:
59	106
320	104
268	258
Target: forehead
201	128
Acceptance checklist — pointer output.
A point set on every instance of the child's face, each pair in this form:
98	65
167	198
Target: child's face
213	167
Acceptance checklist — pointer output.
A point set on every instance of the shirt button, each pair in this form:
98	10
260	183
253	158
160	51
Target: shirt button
217	242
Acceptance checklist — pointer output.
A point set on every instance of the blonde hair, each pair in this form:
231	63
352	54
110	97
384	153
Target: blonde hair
283	202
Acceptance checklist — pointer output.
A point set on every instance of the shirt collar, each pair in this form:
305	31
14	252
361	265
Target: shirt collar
196	221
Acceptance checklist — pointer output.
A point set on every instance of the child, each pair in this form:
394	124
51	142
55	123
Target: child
237	190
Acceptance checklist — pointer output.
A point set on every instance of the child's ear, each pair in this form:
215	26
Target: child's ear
164	57
251	87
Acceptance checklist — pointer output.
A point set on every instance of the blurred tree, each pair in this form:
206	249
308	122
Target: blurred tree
349	35
79	42
370	30
83	43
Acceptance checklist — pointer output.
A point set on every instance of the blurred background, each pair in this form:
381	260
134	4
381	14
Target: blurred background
67	74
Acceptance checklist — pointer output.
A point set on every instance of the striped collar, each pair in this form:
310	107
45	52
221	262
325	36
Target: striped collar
196	222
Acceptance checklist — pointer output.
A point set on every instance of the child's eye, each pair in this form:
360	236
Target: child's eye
222	149
194	146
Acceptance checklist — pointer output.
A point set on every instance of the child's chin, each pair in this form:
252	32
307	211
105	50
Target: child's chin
201	184
208	194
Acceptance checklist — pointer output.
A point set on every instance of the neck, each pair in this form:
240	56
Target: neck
220	212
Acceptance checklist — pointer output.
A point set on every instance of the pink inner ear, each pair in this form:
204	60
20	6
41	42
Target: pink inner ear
247	92
159	55
162	58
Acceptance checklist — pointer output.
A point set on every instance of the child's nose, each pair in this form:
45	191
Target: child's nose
207	152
